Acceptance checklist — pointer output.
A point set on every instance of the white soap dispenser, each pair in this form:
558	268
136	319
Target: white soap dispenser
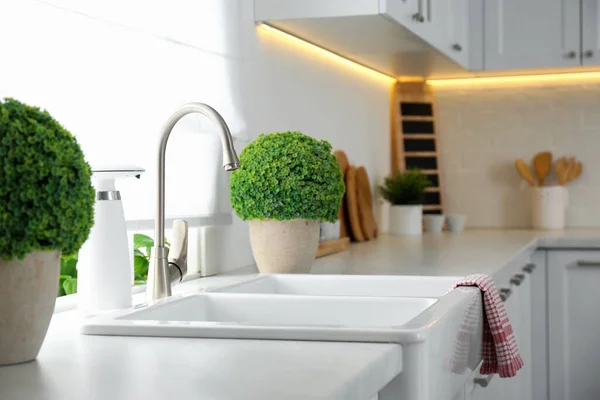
104	276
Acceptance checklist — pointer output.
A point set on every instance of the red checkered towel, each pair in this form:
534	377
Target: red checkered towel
499	350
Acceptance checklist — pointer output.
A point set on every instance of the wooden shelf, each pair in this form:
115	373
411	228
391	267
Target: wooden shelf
430	171
429	136
433	207
420	154
433	190
417	117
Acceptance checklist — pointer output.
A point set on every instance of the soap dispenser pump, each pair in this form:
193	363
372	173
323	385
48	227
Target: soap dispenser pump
104	265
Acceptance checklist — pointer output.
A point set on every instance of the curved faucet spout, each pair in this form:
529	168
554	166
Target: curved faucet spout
159	284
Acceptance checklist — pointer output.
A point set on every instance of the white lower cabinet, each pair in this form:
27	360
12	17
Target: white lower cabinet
517	290
574	324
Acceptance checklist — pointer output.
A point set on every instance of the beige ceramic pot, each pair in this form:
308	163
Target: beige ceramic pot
284	247
28	290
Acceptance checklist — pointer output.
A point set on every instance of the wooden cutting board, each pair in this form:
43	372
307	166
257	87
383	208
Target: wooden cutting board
342	160
365	204
352	205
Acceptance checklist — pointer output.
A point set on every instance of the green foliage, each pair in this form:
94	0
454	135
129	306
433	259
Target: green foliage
142	252
46	195
67	281
285	176
405	188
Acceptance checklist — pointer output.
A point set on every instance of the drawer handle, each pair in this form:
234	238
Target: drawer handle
529	268
517	279
505	294
587	263
483	381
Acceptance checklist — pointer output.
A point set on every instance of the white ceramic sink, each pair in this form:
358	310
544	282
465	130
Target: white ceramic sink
346	285
295	307
258	316
439	332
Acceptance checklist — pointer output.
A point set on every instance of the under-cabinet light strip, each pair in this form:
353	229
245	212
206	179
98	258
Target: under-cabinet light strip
326	53
516	79
475	81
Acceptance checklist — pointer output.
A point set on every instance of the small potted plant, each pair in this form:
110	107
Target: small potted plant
46	207
405	192
286	185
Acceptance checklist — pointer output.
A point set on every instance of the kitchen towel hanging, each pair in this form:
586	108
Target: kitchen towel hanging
499	350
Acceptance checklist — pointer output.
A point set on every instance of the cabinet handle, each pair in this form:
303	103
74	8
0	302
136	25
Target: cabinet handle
429	10
483	381
588	54
456	47
571	54
587	263
529	268
505	294
418	17
517	279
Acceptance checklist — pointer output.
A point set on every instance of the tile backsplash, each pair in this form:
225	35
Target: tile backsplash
113	71
482	130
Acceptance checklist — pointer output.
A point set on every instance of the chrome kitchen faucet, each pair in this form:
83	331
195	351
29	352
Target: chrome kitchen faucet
166	270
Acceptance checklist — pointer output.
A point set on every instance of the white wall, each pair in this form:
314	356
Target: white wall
483	129
112	71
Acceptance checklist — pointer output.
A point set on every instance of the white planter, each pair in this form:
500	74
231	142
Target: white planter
434	223
284	246
406	220
549	207
28	290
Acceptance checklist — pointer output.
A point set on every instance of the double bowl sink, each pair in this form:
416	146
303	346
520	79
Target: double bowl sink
296	307
439	332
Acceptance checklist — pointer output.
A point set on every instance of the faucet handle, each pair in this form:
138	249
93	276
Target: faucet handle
178	252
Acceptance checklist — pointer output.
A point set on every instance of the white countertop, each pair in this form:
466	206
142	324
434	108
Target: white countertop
74	366
449	254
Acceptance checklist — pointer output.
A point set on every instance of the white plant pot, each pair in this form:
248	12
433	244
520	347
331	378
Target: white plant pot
406	220
284	246
549	207
28	290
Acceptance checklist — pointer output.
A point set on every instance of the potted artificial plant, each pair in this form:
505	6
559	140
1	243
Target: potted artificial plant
46	207
286	185
405	192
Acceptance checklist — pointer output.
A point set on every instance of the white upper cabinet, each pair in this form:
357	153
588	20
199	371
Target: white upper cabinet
523	34
590	32
453	27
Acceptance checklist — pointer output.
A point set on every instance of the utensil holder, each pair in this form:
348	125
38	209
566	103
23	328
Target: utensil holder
549	207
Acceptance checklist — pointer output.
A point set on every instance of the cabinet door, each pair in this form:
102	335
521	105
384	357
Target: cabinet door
574	324
499	388
590	32
531	34
451	26
524	337
539	329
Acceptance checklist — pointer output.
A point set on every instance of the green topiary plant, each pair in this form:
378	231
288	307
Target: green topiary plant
406	188
46	195
285	176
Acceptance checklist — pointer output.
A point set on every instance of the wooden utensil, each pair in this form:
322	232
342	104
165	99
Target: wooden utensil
569	169
575	171
352	204
542	163
524	171
342	160
365	204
